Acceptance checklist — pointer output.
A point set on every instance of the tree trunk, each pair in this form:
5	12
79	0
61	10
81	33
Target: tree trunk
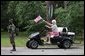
50	10
65	4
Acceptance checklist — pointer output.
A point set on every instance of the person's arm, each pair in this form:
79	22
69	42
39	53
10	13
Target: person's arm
47	23
14	27
48	26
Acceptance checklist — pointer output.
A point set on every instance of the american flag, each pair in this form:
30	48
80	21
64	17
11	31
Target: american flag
38	19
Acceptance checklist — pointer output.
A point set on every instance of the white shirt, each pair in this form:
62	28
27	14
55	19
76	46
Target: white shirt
54	28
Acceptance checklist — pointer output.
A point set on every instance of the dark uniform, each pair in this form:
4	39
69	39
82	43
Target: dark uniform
11	30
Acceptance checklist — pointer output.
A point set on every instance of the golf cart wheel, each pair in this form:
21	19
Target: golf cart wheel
27	44
33	44
60	46
66	44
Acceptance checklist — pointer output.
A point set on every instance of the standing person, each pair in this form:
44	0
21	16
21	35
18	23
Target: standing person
53	27
11	30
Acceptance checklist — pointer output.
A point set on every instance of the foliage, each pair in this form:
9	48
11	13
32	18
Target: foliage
72	16
37	27
4	19
24	12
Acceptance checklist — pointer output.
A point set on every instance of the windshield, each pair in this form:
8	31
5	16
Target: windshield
34	34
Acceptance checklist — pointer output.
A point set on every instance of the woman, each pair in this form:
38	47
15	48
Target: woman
53	27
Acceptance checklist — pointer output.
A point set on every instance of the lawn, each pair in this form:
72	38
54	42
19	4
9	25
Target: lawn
19	40
22	39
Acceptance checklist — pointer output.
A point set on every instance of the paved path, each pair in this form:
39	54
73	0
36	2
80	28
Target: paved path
43	50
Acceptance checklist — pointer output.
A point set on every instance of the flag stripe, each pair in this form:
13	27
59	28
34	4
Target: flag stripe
38	19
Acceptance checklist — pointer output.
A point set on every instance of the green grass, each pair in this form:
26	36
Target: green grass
19	40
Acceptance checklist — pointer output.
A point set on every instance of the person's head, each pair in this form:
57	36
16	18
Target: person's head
11	21
53	21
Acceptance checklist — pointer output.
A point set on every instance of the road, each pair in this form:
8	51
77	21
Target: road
43	50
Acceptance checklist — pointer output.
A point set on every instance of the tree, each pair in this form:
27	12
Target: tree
50	9
4	19
72	16
67	13
23	11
